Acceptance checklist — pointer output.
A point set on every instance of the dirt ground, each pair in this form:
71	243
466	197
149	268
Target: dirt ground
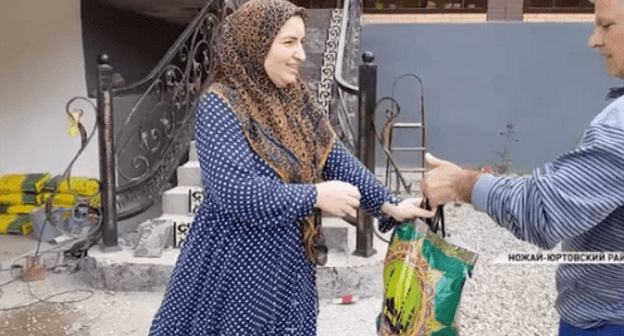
103	313
130	313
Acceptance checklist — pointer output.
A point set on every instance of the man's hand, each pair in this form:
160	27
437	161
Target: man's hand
408	209
447	182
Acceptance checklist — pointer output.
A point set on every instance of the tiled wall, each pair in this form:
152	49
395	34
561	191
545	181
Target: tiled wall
559	17
463	18
504	10
423	18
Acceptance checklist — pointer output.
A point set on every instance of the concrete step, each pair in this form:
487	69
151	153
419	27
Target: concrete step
181	225
344	273
189	174
340	236
121	271
182	200
193	151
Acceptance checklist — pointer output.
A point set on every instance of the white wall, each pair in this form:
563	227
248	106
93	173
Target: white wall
41	69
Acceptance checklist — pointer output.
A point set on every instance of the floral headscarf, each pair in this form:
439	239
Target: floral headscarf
284	126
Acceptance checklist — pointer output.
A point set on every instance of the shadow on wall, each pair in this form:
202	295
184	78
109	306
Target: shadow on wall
134	42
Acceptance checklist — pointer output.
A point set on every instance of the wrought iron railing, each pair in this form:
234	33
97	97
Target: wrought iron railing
140	152
346	71
355	108
141	149
159	125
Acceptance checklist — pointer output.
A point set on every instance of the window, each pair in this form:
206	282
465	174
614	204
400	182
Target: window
425	6
558	6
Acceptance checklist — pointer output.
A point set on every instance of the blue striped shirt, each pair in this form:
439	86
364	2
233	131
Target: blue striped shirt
578	201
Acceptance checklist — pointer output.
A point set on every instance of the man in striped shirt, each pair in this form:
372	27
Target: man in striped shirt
578	200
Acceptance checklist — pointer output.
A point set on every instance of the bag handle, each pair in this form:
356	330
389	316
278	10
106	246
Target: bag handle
437	222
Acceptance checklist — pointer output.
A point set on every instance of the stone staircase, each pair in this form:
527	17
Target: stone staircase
180	203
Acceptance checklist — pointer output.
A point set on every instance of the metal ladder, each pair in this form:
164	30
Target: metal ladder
388	134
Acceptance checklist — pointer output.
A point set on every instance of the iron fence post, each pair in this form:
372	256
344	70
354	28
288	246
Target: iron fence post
107	154
366	146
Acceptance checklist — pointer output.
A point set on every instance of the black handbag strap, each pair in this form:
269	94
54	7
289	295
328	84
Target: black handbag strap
437	222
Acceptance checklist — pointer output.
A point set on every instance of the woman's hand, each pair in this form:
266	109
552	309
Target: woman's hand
408	209
337	198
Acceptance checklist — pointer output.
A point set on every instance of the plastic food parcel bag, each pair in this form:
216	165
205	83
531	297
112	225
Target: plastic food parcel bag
423	281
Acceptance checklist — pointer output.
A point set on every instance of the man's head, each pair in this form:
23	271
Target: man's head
608	36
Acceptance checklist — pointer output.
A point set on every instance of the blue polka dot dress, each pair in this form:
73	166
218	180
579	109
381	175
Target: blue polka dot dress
242	269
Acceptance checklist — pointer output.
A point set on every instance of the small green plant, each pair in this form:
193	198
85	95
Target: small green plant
380	5
503	167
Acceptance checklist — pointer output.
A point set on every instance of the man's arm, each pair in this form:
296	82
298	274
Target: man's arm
577	191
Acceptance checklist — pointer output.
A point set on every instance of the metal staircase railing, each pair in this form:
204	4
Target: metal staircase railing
358	140
138	158
348	93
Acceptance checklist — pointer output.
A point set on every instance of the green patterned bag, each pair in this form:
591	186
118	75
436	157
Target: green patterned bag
423	281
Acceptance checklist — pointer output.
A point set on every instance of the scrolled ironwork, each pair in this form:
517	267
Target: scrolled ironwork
156	113
349	30
346	69
70	107
329	60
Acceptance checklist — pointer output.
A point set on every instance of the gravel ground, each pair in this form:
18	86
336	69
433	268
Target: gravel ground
501	299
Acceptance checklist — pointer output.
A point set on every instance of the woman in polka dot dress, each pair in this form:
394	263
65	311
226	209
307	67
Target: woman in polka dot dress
270	164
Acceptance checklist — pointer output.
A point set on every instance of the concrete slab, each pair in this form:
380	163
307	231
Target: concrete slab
343	273
182	200
121	271
106	313
189	174
181	225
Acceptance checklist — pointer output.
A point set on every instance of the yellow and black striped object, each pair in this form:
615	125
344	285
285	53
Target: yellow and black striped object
21	199
79	185
23	183
17	209
61	200
16	224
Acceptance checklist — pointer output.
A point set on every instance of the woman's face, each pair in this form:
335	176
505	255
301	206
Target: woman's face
286	53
